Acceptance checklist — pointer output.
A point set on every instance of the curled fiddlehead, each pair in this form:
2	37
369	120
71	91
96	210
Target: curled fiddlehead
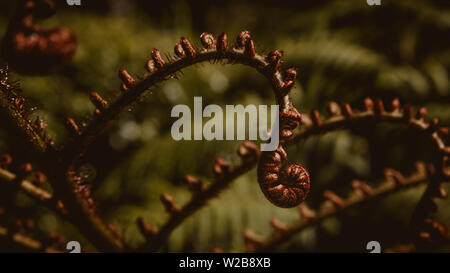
215	48
332	206
285	187
288	185
343	116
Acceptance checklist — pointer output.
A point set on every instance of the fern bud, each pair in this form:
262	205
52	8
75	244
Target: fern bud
249	48
73	127
315	116
98	101
274	60
126	78
278	226
157	59
221	167
208	40
290	74
363	187
248	151
170	205
421	113
5	161
187	47
222	43
368	104
379	107
194	184
333	108
242	39
179	51
408	112
347	110
335	199
145	228
25	169
150	66
305	212
395	105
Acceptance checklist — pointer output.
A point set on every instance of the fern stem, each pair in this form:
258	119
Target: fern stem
388	188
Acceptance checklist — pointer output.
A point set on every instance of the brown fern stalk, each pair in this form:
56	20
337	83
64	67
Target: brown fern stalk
285	185
338	120
42	196
21	237
315	124
21	240
158	71
19	112
249	154
45	156
427	231
331	208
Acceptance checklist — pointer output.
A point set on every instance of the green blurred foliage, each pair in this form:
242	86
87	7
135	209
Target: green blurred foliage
344	50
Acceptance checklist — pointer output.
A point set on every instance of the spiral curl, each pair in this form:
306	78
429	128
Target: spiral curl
288	186
285	186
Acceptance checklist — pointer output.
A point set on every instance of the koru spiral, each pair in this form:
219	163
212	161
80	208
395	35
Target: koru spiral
285	185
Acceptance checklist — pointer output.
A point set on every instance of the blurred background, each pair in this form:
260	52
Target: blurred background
344	51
